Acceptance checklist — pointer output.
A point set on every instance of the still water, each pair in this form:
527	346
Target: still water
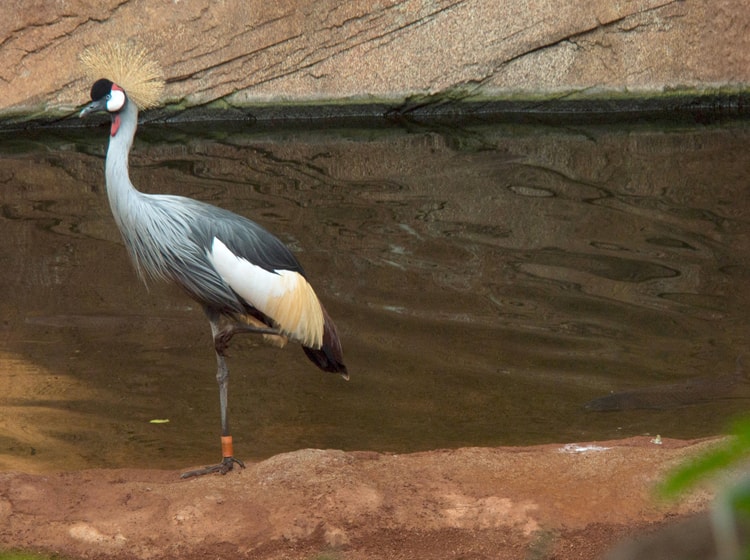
487	282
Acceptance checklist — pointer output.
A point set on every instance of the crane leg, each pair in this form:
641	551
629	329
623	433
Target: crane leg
222	335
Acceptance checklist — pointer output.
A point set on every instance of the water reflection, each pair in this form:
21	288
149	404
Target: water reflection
487	281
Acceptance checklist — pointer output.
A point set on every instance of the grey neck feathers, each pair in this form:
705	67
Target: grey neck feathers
123	197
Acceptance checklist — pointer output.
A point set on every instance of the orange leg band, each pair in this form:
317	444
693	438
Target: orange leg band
226	446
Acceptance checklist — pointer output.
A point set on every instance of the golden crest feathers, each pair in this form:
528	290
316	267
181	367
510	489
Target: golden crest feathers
128	65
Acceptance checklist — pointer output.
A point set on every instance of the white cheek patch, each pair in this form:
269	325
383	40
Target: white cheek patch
116	100
283	295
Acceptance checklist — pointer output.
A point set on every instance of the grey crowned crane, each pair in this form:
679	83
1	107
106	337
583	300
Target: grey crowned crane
246	280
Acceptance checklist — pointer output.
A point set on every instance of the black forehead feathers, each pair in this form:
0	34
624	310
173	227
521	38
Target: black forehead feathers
100	88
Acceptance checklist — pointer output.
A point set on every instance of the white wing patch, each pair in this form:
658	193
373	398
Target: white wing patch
283	295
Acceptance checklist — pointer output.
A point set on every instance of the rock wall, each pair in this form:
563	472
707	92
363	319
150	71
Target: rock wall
393	52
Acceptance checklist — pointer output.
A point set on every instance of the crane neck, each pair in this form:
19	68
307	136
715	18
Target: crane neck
120	191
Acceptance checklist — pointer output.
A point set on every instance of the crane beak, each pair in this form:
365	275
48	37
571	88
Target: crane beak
93	107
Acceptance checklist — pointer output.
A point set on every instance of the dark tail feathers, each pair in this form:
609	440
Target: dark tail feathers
328	357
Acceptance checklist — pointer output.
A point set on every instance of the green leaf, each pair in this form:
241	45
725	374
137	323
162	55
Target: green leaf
721	457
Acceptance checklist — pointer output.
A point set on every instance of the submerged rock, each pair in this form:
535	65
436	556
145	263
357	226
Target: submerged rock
685	393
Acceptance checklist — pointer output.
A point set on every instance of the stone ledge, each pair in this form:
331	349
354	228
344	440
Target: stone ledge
703	107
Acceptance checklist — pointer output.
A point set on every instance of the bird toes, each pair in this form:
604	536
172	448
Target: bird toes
226	465
221	342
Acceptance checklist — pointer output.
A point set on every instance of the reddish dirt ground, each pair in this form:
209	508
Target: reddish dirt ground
549	501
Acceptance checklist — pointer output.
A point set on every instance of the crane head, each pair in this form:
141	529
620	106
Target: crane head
105	96
128	67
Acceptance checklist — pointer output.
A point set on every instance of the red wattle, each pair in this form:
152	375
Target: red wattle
115	125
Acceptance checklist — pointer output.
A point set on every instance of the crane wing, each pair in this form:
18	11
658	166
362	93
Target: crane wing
283	295
225	258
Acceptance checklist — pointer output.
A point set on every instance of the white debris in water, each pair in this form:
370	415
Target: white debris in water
575	448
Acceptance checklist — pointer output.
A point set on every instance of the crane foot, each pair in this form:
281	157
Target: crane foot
222	468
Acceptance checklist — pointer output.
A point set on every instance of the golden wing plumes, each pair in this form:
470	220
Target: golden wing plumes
128	65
